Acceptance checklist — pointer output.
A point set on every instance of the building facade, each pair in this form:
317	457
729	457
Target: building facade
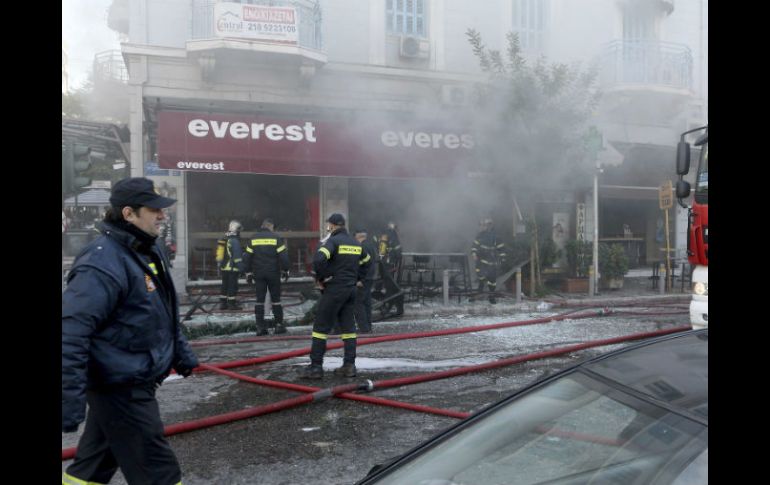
295	109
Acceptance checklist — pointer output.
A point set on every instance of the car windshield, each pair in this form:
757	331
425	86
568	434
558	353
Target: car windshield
574	430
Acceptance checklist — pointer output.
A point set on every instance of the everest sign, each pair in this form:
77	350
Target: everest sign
256	22
237	143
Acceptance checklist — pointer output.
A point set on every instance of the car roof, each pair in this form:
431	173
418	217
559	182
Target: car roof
672	372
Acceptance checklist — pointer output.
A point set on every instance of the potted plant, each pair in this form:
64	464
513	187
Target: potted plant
613	265
579	259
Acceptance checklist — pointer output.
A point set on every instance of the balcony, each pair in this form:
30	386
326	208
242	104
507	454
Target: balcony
206	33
647	88
645	64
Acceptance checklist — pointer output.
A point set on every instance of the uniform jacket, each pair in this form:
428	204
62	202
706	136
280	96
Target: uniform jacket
266	254
233	254
489	250
343	259
390	247
119	325
370	248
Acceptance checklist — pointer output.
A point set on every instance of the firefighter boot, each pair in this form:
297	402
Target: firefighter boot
223	303
315	369
348	368
278	315
259	313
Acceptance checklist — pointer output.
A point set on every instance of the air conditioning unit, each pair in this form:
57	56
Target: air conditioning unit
453	95
415	47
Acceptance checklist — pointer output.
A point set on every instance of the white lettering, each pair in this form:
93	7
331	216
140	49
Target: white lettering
274	132
309	132
294	133
422	140
467	141
255	129
198	128
451	141
389	138
406	140
197	165
436	137
239	130
219	130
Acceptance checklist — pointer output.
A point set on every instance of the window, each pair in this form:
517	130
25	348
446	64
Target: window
406	17
530	19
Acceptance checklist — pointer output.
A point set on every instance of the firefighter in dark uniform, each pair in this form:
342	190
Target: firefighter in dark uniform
363	310
230	259
390	249
266	258
488	253
340	266
120	339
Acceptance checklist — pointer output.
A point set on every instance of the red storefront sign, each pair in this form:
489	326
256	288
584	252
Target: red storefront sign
235	143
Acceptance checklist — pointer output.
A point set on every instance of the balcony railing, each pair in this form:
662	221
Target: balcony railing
647	63
308	20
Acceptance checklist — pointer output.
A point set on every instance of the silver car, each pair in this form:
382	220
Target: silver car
638	415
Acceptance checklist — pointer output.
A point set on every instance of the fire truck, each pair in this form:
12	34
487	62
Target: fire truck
697	222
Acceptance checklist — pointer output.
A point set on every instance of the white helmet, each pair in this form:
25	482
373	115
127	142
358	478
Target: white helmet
235	226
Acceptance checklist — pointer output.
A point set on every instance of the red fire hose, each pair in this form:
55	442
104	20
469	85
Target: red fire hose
316	394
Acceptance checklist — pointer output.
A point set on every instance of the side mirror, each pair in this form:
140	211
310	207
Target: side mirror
682	158
682	189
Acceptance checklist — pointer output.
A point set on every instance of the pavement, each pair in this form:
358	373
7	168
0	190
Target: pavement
637	286
337	441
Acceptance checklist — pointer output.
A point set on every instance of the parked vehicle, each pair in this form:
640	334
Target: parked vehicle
638	415
697	225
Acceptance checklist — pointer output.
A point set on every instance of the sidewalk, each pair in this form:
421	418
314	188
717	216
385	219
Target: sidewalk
635	288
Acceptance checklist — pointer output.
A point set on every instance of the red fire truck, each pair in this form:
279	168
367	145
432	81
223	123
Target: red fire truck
698	223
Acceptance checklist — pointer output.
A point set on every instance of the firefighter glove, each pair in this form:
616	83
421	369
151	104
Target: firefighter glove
249	278
285	276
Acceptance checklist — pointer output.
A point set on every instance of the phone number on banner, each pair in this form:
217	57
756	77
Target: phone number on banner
271	28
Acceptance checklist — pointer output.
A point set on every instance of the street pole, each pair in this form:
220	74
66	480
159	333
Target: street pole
595	275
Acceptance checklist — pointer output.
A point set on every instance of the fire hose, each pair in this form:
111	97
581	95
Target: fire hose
344	391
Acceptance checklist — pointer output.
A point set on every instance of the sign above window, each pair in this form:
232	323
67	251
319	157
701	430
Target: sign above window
256	22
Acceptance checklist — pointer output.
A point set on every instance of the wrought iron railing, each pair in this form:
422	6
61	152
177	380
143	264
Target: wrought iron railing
646	62
109	66
308	20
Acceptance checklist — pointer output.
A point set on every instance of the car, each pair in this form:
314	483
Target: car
638	415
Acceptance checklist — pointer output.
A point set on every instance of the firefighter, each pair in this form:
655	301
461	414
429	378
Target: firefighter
266	258
363	312
390	249
230	259
340	265
488	253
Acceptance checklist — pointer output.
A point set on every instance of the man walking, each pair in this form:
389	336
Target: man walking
339	265
120	340
266	257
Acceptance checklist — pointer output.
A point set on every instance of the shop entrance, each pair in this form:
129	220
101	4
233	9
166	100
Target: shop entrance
216	199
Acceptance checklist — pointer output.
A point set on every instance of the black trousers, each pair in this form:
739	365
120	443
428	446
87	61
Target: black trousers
337	304
265	283
487	274
229	284
363	309
123	429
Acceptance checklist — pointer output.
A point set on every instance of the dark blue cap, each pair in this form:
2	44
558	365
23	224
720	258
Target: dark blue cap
336	219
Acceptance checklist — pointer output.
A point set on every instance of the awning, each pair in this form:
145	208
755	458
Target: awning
94	197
